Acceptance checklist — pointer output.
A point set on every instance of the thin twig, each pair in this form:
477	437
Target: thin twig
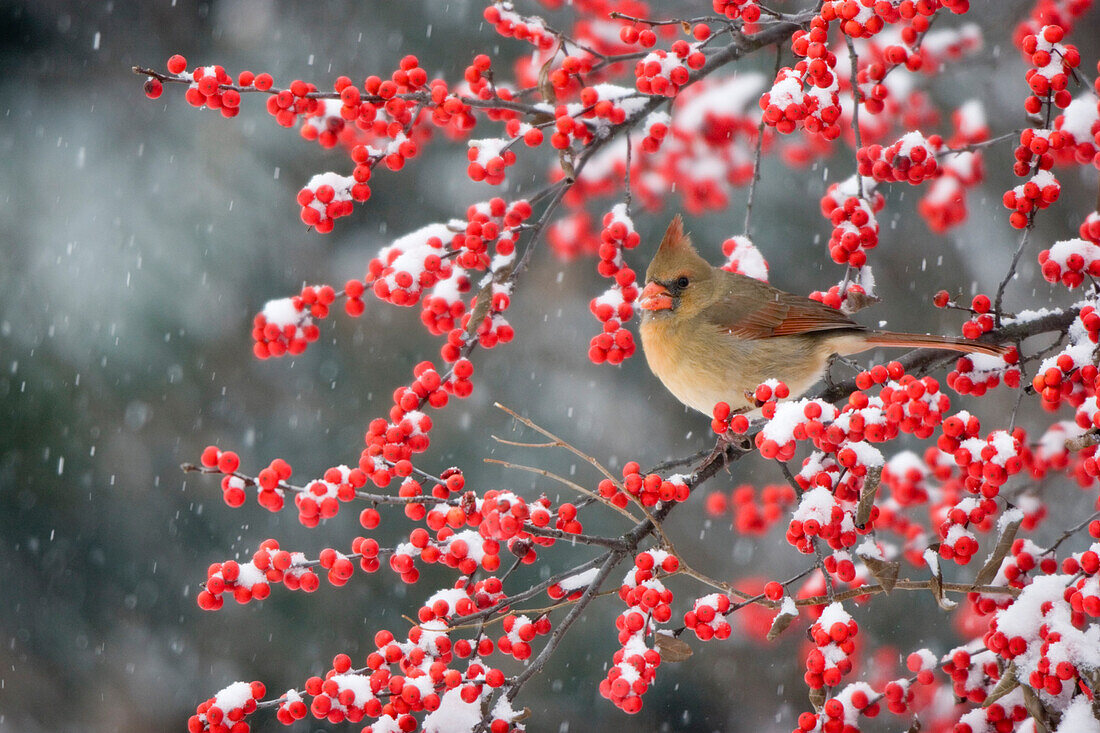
747	228
566	482
1011	273
854	58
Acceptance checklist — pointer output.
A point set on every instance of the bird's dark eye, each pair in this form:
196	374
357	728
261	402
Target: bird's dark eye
682	282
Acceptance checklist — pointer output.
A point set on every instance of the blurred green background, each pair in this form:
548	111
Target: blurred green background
141	236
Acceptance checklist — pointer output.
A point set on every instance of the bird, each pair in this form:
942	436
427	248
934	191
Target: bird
713	336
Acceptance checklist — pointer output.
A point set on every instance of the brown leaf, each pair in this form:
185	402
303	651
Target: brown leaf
1081	442
1005	685
546	89
1035	709
780	624
686	26
858	301
817	698
672	649
915	727
886	573
566	166
936	583
1004	544
867	496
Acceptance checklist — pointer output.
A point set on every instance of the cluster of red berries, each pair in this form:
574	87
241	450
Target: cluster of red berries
442	310
393	443
271	481
1080	124
656	126
616	305
791	421
1024	200
743	258
1090	227
663	73
251	580
977	373
1037	149
707	617
1070	261
849	704
833	297
321	499
746	10
647	490
569	125
905	475
959	543
989	463
511	24
284	326
210	86
490	223
912	158
640	34
839	564
909	405
401	271
503	516
855	227
488	159
833	635
973	674
519	631
634	666
1050	626
1064	13
787	105
329	196
750	517
465	551
944	204
1070	376
569	75
819	515
1054	64
225	712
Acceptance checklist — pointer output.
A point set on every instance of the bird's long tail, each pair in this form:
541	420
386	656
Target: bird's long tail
926	341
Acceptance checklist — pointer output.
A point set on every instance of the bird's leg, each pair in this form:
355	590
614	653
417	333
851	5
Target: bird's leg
835	358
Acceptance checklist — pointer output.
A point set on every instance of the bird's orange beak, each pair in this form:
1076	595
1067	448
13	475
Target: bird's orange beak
655	298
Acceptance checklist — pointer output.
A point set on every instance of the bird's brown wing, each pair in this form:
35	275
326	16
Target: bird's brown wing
750	309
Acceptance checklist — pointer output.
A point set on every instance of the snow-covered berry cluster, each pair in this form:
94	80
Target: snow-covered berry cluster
510	24
226	711
1070	261
743	258
616	305
1053	64
912	159
634	666
852	214
1041	190
833	635
663	73
707	617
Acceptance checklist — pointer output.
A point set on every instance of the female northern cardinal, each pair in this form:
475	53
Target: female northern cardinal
712	336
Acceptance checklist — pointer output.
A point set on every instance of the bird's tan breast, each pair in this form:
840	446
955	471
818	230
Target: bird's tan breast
702	366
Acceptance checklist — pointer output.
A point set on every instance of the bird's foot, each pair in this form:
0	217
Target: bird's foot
722	447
